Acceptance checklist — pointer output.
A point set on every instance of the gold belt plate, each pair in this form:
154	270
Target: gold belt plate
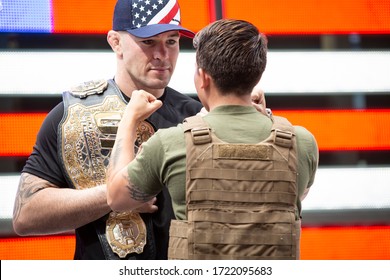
126	233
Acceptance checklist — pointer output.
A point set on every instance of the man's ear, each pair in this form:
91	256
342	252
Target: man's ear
113	39
204	78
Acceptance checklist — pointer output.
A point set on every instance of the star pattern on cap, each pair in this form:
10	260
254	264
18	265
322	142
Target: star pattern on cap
144	11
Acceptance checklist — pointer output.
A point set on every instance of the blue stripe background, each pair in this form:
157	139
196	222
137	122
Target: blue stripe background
30	16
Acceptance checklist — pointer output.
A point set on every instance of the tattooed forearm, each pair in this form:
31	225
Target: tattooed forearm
28	186
135	192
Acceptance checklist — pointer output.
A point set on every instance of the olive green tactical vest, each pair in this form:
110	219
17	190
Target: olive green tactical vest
241	198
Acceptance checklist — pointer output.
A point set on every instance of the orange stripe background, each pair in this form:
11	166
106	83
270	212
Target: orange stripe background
38	248
272	17
344	129
87	16
313	17
346	243
21	130
328	243
333	129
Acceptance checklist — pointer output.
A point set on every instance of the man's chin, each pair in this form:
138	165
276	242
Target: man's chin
158	84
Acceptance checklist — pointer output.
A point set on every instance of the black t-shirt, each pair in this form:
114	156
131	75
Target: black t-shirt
44	162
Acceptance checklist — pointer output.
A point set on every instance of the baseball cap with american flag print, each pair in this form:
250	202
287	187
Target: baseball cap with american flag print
147	18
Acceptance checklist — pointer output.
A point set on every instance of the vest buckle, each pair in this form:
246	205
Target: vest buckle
201	136
283	138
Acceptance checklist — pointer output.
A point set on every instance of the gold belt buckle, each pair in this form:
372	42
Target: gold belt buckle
126	233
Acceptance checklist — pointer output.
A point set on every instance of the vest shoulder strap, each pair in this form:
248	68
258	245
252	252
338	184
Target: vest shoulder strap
282	132
199	129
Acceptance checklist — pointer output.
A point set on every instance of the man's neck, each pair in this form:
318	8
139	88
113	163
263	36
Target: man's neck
230	99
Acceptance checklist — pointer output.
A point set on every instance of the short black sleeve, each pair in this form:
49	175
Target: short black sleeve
43	161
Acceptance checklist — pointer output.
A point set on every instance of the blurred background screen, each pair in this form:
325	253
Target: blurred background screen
328	70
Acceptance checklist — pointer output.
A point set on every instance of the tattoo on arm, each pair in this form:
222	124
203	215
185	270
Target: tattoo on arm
28	186
136	193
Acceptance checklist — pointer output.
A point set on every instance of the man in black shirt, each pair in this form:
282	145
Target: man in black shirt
62	185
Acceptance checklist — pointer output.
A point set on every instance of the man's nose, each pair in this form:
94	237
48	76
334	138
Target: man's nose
161	52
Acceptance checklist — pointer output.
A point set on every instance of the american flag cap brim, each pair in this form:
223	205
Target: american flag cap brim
155	29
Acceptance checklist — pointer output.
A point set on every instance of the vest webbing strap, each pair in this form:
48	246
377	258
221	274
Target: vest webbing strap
235	257
221	195
223	237
179	228
249	175
258	208
178	253
239	218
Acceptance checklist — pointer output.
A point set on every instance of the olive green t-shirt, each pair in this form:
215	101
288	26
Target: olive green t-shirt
162	159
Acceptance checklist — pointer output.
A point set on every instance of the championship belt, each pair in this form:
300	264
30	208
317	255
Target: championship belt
88	133
126	231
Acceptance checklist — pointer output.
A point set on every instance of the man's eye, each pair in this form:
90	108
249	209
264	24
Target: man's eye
172	42
147	42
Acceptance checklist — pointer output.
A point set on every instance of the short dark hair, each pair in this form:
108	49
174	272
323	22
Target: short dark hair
233	53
